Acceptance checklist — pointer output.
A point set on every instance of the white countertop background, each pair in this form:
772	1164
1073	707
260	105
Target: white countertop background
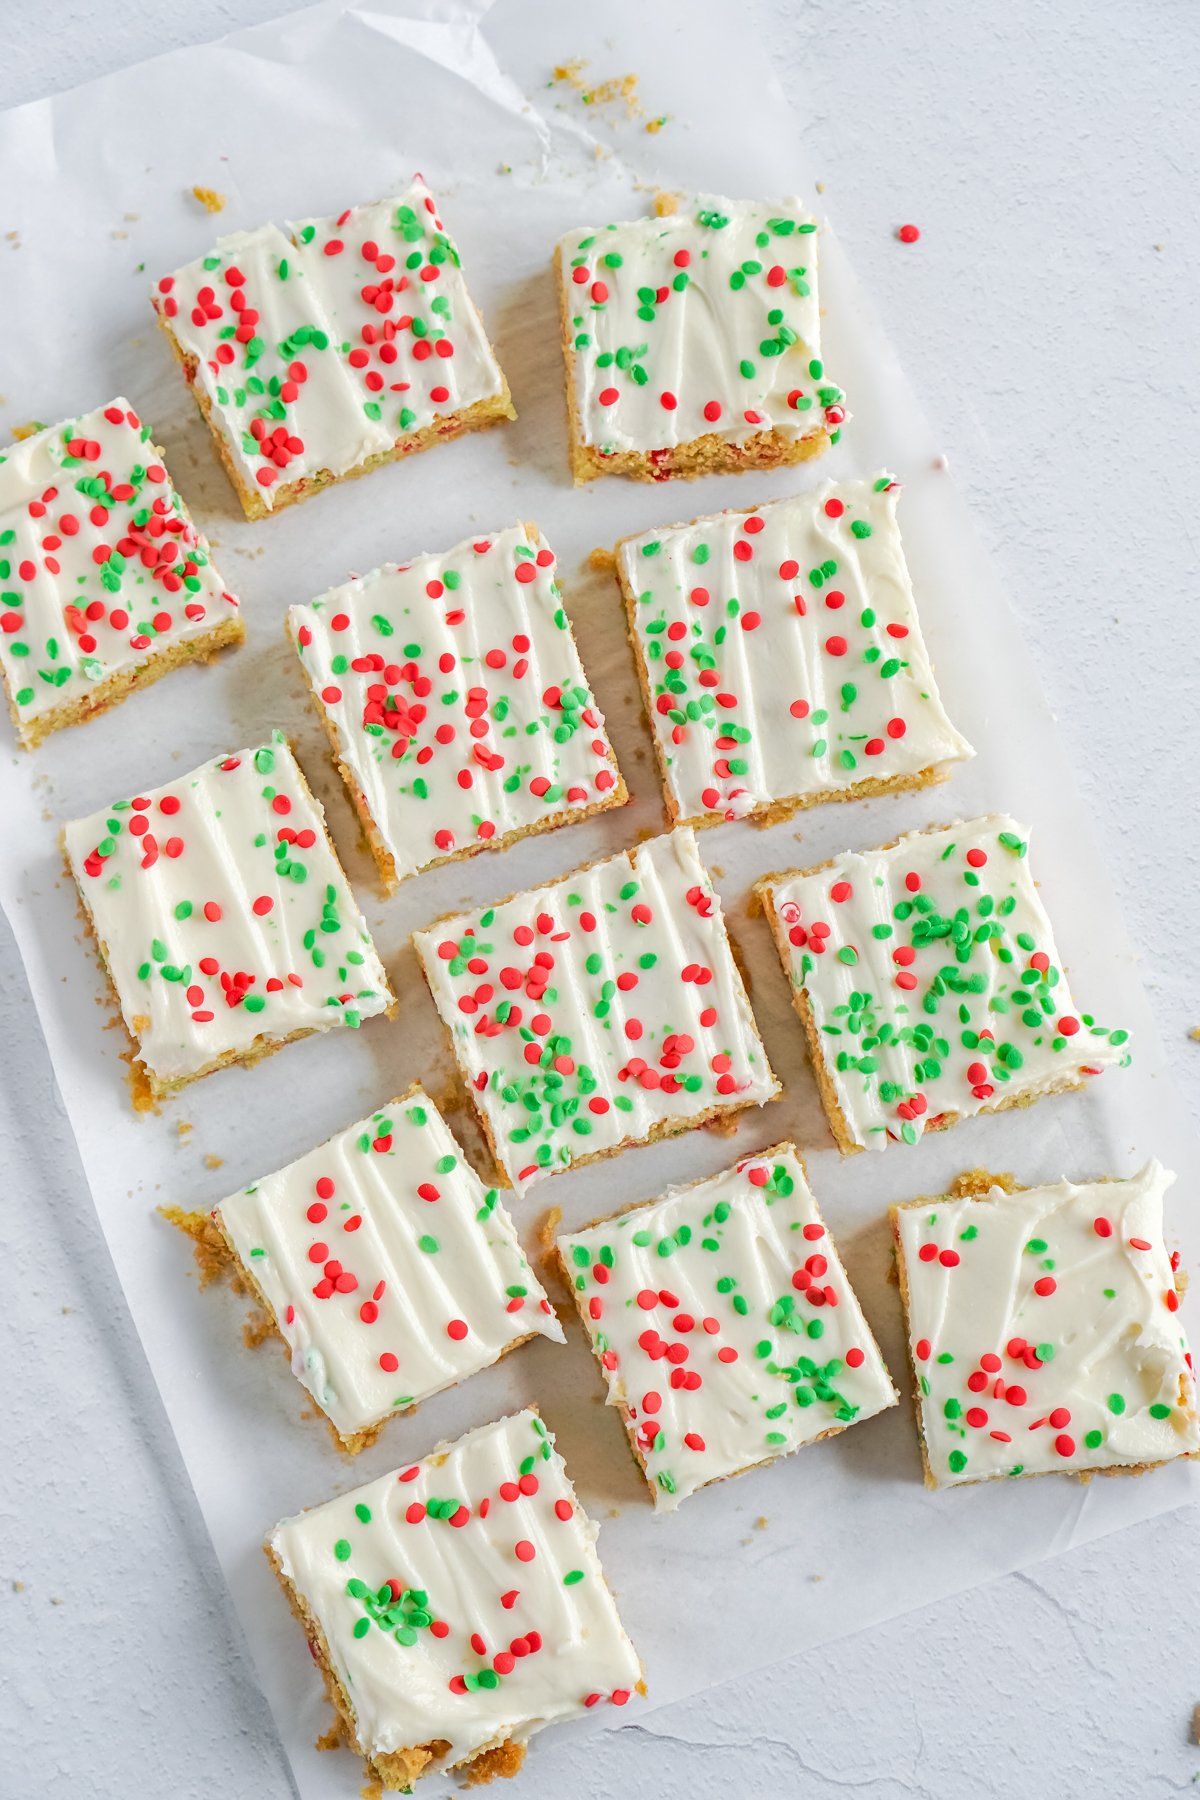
1047	318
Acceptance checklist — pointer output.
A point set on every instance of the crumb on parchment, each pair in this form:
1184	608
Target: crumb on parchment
618	91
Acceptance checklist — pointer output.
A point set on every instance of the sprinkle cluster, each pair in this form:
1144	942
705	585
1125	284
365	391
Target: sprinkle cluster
932	981
458	698
1043	1331
781	655
101	567
591	1013
725	1325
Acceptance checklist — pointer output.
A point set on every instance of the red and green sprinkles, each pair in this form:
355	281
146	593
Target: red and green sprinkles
724	1324
700	322
1082	1306
581	1018
520	1538
101	567
380	339
458	696
952	998
771	675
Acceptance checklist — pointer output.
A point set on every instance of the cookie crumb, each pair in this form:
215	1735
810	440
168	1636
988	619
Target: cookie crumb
210	199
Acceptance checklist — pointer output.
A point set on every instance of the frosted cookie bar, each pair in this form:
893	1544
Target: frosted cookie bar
693	342
223	919
598	1011
455	701
781	659
1043	1328
105	582
724	1323
326	350
929	984
387	1268
457	1606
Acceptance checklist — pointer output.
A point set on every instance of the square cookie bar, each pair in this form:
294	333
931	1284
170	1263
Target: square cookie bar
223	919
929	984
599	1011
388	1269
105	582
456	703
457	1606
1043	1328
780	656
693	342
326	350
724	1323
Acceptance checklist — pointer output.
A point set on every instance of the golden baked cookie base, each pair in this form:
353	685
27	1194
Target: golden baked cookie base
385	862
145	1087
355	1442
767	812
709	454
122	682
838	1123
976	1184
720	1116
760	1462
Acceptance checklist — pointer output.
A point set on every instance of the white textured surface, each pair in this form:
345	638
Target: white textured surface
1044	153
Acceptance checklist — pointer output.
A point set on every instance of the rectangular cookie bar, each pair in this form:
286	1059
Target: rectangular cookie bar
692	342
457	1605
780	656
601	1010
929	984
324	351
1043	1328
724	1323
105	582
387	1268
453	695
223	918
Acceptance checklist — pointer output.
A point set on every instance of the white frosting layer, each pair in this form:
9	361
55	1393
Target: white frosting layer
391	1270
725	1325
101	567
702	322
223	914
324	348
1044	1330
934	979
782	652
462	1597
586	1012
458	696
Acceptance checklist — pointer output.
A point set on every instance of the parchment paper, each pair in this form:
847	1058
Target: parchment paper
307	116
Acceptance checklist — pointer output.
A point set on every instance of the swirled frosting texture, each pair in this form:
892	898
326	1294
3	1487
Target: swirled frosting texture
222	913
725	1326
101	567
702	322
391	1270
933	980
590	1011
462	1598
782	653
458	697
1044	1331
322	348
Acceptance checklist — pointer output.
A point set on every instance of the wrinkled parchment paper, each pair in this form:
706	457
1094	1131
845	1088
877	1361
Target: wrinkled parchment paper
306	116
